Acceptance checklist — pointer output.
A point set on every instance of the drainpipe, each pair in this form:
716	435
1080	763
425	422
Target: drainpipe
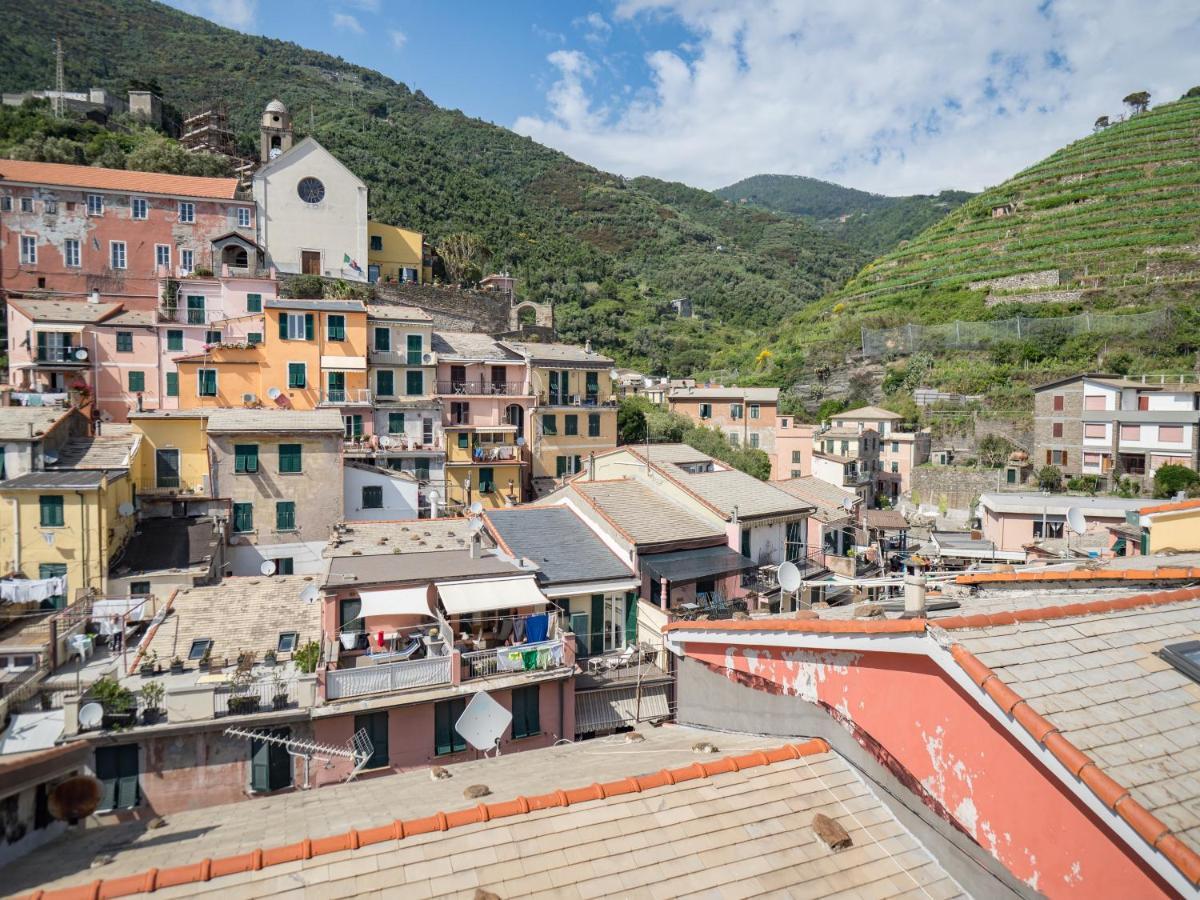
16	557
83	537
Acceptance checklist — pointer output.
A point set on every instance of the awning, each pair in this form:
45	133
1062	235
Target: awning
462	597
556	591
689	565
618	707
412	601
59	327
344	363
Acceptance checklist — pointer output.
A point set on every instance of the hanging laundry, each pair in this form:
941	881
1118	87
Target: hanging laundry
536	627
519	630
530	659
508	660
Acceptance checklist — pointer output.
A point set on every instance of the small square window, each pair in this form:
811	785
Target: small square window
187	212
287	642
124	341
199	647
376	243
26	204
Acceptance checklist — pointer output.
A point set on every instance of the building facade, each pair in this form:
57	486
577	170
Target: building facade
396	254
746	416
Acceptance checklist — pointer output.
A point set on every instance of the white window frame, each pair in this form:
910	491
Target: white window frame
243	217
754	410
68	244
50	206
158	260
187	212
95	204
29	249
295	333
134	203
26	204
187	261
736	411
112	255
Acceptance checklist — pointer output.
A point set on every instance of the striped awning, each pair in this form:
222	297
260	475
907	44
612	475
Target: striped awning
618	707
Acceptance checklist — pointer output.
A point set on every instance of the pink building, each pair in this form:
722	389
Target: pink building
900	451
793	449
77	229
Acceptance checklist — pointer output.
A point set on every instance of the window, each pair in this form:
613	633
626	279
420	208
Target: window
735	411
1056	430
1094	430
290	458
797	473
395	423
797	456
243	217
51	508
285	515
754	410
372	496
137	382
414	383
296	326
71	253
464	441
1184	656
1047	529
311	190
139	589
1131	432
445	738
297	374
383	340
206	382
6	203
254	303
734	438
116	254
571	424
162	255
50	206
284	565
166	468
95	205
591	387
566	465
352	426
26	204
117	771
525	708
487	480
895	468
549	424
1059	402
783	423
335	387
415	347
245	458
187	212
139	207
28	249
593	425
172	384
1170	434
706	410
199	647
385	384
793	540
243	517
1056	457
335	327
195	310
212	337
187	260
754	439
254	337
895	446
376	243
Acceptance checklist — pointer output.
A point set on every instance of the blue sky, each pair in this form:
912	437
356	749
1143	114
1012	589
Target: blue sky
897	97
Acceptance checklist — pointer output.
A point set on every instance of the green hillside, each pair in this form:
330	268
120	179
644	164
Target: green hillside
872	223
1114	218
610	253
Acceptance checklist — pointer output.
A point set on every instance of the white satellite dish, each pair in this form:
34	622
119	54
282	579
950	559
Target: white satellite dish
848	504
789	577
91	715
386	441
267	567
309	594
274	393
475	508
483	722
126	509
475	526
49	458
81	354
521	442
1075	520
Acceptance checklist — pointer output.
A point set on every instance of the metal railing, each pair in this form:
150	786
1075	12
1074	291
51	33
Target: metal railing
513	659
346	397
400	676
484	388
259	696
560	399
60	355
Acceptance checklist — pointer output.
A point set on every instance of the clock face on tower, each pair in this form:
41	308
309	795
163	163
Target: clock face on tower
311	190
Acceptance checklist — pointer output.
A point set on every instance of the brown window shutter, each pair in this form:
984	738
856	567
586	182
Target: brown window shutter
1047	457
1064	457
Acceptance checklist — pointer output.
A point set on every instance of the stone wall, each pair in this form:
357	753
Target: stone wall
1034	297
951	487
1070	422
1024	281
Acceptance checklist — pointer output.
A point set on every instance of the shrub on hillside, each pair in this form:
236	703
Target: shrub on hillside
1049	478
1084	484
1170	480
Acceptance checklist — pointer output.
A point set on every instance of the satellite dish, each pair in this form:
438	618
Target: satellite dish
789	577
483	722
274	393
475	526
91	715
267	567
80	354
386	441
126	509
49	458
476	508
309	594
848	504
521	442
1075	520
76	797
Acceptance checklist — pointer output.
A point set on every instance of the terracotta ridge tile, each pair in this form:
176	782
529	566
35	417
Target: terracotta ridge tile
1080	574
1064	611
815	626
207	869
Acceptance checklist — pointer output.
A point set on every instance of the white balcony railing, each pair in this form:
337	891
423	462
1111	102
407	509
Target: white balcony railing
512	659
400	676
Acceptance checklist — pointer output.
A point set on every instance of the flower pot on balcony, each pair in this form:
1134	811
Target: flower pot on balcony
151	716
279	701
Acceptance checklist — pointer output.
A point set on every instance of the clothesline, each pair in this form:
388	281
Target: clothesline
32	590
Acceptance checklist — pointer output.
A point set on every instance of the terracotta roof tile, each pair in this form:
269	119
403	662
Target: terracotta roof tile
1170	507
117	180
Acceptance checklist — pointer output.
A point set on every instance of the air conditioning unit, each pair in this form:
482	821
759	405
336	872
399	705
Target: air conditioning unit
249	398
429	359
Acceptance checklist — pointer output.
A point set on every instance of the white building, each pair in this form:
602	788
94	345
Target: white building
373	494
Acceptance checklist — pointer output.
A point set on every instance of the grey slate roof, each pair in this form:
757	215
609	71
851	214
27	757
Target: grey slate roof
15	421
111	449
260	421
729	488
72	311
570	354
435	565
60	480
468	345
643	515
169	544
826	497
322	305
559	541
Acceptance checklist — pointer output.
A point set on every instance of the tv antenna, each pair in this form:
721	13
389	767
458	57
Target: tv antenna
358	749
60	80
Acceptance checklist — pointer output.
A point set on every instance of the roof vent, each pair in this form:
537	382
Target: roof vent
830	833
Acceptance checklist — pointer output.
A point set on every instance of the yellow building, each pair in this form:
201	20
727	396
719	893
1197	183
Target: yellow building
1171	526
574	412
484	464
396	254
174	455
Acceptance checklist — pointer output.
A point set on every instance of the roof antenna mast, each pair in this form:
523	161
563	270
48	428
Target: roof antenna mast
59	79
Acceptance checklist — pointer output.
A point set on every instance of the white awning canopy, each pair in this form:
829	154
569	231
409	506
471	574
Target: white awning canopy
344	363
412	601
463	597
58	327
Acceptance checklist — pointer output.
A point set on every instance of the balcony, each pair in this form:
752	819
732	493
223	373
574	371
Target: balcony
62	356
581	400
486	454
343	683
346	397
510	660
391	444
765	579
184	316
482	388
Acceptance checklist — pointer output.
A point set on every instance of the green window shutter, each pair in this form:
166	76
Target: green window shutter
631	601
560	466
285	565
596	625
172	384
285	515
124	341
175	340
212	337
372	496
117	771
414	383
593	424
414	349
336	327
51	510
526	715
487	480
207	381
578	464
383	340
445	714
296	375
385	383
308	326
137	381
243	517
571	424
283	326
290	458
260	765
464	440
395	423
593	385
549	425
254	303
245	457
254	337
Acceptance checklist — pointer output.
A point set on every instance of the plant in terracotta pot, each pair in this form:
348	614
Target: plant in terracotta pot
176	666
152	696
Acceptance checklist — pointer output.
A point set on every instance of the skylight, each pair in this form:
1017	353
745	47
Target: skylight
1185	657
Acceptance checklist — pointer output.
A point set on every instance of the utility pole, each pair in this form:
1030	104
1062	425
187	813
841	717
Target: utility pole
59	80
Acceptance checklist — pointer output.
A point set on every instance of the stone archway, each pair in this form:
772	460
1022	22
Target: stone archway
528	313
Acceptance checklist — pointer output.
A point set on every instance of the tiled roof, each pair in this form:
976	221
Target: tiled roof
642	515
133	318
260	421
118	180
732	488
559	541
469	345
718	392
738	824
558	353
885	519
846	432
1179	506
1058	504
71	311
16	421
669	453
61	479
411	536
397	313
866	412
816	491
112	449
324	305
1042	576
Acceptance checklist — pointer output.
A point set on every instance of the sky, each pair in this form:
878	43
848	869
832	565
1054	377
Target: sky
895	97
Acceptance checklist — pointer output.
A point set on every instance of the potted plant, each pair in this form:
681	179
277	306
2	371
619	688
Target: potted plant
206	659
177	666
241	699
152	695
307	657
269	659
117	701
279	691
146	669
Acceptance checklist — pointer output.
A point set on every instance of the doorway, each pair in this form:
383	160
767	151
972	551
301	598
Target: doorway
310	262
376	726
270	763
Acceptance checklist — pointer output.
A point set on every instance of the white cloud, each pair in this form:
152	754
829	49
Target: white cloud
399	38
898	97
239	14
596	29
347	22
364	5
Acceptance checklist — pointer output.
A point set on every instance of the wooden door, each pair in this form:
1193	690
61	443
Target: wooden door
310	262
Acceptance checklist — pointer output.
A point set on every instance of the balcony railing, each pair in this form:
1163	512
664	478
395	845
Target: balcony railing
346	397
592	400
482	454
185	316
539	657
342	683
765	579
259	696
61	355
484	388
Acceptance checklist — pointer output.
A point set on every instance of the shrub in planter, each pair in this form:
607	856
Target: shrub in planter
269	659
119	707
176	666
152	696
146	669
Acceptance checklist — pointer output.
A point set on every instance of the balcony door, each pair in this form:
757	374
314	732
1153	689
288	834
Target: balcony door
166	465
310	262
515	415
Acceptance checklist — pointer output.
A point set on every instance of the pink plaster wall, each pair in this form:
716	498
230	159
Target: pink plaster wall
965	761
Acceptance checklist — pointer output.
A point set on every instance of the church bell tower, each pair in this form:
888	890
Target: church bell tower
275	131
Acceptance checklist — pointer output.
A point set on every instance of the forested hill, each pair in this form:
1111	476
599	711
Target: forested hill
610	253
873	223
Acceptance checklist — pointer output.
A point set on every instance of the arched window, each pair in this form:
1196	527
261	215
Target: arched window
515	415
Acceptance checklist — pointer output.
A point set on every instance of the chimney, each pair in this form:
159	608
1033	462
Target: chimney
914	588
94	297
474	546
